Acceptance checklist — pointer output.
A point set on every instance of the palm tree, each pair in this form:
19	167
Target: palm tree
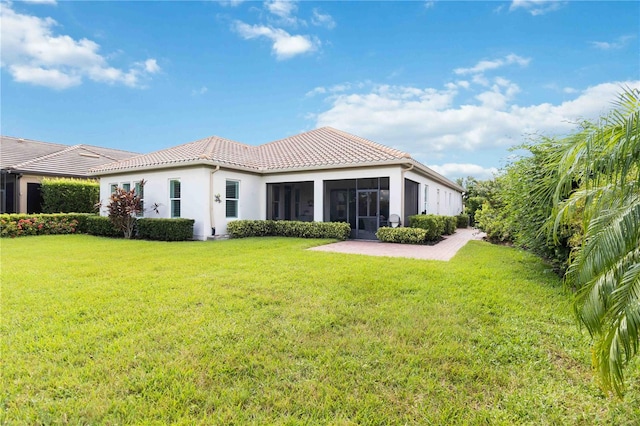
599	179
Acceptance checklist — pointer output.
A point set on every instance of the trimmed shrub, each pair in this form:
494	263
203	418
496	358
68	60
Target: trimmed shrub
102	226
463	220
65	195
402	235
19	225
285	228
434	225
165	229
450	224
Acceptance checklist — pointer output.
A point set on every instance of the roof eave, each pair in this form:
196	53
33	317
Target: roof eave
173	165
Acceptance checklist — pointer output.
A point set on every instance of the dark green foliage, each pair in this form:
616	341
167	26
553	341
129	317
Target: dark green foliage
450	224
433	224
462	220
165	229
101	226
285	228
62	195
402	235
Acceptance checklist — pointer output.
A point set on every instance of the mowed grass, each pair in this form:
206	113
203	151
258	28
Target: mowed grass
262	331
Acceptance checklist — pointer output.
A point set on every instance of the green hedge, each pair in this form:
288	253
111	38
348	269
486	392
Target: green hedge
63	195
101	226
19	225
431	223
285	228
450	224
165	229
463	220
402	235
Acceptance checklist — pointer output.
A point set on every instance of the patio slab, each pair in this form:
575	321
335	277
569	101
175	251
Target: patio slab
443	250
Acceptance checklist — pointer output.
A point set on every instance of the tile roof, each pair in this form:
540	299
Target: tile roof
322	147
212	149
24	155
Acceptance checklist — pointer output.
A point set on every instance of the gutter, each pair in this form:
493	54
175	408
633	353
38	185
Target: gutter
211	201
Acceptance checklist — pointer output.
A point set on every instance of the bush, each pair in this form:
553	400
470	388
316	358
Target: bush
450	224
101	226
124	205
165	229
402	235
285	228
64	195
18	225
434	225
463	220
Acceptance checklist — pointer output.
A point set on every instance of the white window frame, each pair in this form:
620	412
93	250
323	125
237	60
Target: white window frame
173	199
236	199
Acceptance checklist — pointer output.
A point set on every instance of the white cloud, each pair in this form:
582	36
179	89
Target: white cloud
428	4
33	54
285	11
483	66
284	46
201	91
231	3
322	20
281	8
619	43
456	170
429	123
537	7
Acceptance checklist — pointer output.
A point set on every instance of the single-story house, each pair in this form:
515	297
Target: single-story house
24	163
321	175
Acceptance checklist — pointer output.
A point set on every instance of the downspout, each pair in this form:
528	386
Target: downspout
402	185
211	201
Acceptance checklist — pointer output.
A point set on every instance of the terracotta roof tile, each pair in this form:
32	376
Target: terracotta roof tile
214	148
321	147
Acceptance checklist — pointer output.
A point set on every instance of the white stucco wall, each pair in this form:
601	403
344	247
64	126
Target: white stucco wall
441	199
200	184
198	189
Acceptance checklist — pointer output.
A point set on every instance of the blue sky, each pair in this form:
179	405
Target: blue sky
453	83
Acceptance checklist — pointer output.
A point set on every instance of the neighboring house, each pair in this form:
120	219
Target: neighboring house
322	175
24	163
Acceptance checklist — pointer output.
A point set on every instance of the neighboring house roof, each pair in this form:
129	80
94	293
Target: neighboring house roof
321	148
28	156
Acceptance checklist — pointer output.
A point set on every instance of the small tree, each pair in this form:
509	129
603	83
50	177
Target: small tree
123	208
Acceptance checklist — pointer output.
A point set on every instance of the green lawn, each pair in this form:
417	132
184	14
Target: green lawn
261	331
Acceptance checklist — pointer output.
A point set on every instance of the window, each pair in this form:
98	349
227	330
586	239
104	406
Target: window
232	196
126	186
112	188
425	206
174	197
139	189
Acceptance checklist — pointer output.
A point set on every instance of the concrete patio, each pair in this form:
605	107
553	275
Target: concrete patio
443	250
